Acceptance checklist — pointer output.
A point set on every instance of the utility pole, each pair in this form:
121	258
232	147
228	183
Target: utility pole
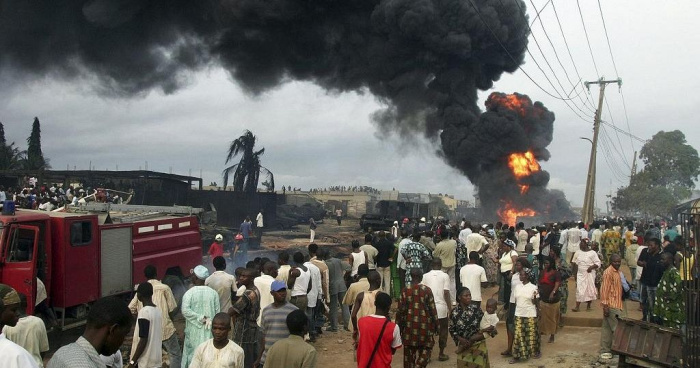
589	198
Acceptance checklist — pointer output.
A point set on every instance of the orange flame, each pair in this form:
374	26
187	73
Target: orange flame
509	214
523	164
512	102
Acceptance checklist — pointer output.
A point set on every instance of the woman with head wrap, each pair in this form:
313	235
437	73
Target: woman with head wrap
507	265
465	318
199	305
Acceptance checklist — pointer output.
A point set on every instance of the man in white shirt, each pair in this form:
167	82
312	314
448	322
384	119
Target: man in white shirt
164	299
439	284
535	240
146	346
473	277
259	225
263	283
29	333
223	283
573	241
218	351
522	236
313	297
582	229
466	230
476	243
11	354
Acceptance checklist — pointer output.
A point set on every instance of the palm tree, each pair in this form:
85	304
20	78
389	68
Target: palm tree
246	172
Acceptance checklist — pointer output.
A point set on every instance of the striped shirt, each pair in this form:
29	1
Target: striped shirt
274	325
611	289
80	354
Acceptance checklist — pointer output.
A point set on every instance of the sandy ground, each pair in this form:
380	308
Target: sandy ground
576	344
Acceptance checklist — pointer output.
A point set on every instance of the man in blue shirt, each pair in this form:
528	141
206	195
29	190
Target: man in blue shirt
241	251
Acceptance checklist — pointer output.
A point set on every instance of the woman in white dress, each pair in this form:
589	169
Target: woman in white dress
584	264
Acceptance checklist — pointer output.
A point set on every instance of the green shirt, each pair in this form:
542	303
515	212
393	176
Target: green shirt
291	352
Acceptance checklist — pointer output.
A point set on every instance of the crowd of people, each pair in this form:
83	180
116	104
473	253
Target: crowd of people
49	197
270	312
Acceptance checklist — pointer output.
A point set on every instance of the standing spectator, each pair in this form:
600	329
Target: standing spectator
324	295
216	249
259	225
395	230
264	284
244	316
241	252
312	230
370	251
466	230
584	264
146	346
611	299
548	287
364	301
418	320
108	322
669	306
473	276
292	352
357	258
378	336
610	243
274	320
29	333
299	282
446	250
522	236
313	297
164	300
653	268
439	284
507	266
218	351
465	330
223	283
199	305
414	253
339	215
526	342
385	255
573	241
42	306
11	354
336	290
357	287
283	270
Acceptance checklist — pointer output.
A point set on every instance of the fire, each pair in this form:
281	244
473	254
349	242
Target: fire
509	214
514	102
523	164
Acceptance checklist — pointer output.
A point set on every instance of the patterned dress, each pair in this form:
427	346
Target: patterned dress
565	270
197	303
490	259
465	323
414	253
417	319
669	304
611	241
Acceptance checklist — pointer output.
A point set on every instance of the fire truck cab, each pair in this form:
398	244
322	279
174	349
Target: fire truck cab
81	257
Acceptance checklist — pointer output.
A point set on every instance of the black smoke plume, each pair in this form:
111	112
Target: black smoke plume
424	60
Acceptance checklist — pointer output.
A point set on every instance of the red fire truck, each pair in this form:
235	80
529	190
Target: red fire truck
94	252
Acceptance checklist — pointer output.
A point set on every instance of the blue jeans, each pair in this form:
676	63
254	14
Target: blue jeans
241	257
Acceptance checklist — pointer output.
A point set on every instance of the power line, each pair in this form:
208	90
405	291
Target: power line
588	41
556	55
566	43
522	13
617	134
625	133
610	160
622	156
511	56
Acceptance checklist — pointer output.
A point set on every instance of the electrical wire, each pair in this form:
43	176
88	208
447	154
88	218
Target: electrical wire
566	101
556	55
617	134
588	41
511	56
566	43
610	160
625	133
621	155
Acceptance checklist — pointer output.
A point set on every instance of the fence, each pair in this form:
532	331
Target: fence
690	223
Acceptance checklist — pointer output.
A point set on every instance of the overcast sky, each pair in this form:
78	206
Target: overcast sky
316	139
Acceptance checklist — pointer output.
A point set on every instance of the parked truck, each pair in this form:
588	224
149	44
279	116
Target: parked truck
83	256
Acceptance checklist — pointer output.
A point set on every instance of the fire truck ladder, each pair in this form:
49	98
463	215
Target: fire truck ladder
132	212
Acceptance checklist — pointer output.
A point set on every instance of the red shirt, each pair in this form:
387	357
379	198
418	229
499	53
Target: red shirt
369	328
216	249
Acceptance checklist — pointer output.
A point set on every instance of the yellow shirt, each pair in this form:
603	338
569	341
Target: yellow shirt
686	268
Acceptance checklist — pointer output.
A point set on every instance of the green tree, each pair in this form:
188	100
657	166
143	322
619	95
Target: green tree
246	173
670	169
35	158
11	157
